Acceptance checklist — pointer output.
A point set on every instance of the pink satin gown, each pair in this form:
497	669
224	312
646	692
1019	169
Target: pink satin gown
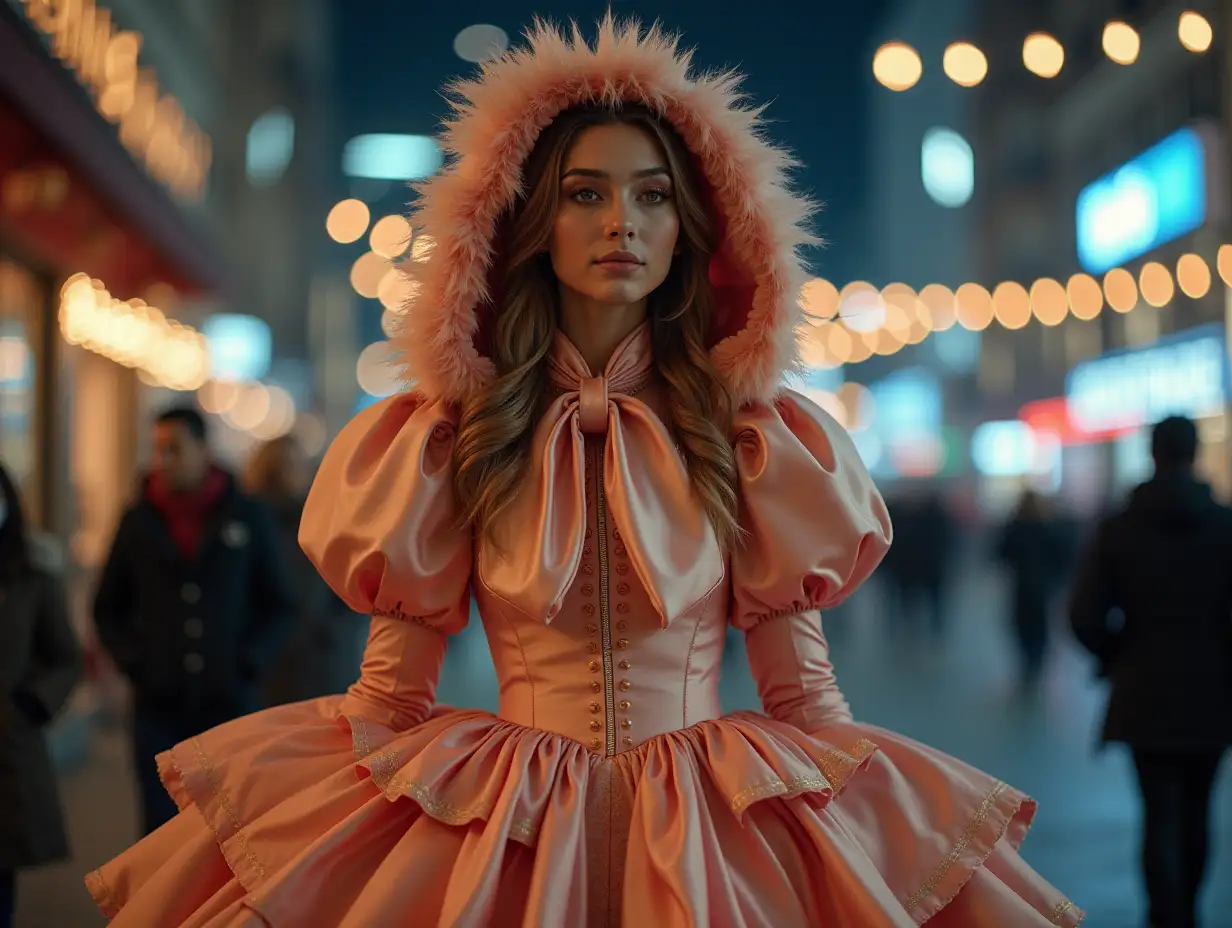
609	789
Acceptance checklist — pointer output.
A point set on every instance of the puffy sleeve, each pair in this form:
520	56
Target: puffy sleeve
382	528
815	528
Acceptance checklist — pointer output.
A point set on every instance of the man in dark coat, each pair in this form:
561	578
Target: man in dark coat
194	604
1153	602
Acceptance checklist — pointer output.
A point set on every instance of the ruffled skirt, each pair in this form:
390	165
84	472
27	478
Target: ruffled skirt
300	816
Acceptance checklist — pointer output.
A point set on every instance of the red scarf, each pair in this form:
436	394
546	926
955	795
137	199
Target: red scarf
186	513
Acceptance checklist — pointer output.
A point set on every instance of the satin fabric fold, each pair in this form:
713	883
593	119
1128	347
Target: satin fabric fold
380	523
815	525
471	820
540	536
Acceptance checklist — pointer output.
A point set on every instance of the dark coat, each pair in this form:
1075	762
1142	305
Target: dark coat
1153	602
1034	551
196	636
926	539
325	650
40	663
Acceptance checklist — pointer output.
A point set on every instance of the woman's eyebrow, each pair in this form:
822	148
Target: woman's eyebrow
591	172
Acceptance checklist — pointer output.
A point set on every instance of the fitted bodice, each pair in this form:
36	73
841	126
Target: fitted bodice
603	589
605	672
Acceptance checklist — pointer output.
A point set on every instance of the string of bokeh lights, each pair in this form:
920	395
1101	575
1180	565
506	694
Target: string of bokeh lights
898	66
854	323
847	325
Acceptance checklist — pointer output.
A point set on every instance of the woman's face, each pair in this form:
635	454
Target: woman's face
616	226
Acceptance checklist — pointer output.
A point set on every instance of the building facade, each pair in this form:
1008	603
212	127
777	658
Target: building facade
1049	144
132	212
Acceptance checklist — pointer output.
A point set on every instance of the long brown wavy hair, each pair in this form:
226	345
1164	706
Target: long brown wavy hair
492	450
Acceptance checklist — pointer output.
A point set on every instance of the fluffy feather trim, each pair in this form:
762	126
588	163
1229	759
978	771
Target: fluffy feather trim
497	118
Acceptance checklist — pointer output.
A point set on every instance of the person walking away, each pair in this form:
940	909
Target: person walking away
40	663
1152	601
194	603
925	539
1032	549
326	647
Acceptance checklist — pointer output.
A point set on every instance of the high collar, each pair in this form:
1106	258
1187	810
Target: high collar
627	371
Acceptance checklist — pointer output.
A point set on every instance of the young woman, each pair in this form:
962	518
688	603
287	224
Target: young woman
597	447
40	663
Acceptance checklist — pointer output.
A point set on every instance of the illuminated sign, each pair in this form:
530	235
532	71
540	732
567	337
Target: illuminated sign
1153	199
1186	374
240	347
908	403
152	126
1052	416
908	420
391	157
1003	449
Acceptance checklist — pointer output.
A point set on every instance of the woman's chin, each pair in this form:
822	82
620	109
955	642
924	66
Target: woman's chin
619	293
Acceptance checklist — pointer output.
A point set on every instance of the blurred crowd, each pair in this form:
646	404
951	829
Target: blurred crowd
208	610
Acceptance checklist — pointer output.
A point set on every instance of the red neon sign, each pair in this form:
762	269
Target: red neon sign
1052	415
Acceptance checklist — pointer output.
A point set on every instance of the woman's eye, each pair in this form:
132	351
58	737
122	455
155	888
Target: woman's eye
585	195
656	196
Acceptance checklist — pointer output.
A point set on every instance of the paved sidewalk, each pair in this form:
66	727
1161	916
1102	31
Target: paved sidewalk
100	804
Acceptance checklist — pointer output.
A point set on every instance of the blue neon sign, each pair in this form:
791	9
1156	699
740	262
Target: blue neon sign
1158	196
1182	374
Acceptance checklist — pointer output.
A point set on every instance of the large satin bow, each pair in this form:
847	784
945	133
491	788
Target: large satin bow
666	533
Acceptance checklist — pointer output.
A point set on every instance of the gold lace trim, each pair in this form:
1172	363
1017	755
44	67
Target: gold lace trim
360	743
396	614
384	766
1063	908
973	827
223	798
838	766
976	823
102	892
777	787
835	766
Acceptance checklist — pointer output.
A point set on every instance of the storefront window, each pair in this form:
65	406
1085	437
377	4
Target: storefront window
21	302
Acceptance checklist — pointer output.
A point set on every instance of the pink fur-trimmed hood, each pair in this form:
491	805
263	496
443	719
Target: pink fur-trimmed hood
756	272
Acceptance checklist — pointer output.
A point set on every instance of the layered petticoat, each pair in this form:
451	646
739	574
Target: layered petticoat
299	816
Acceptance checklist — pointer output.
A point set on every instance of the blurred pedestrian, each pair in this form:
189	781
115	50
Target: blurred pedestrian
1032	548
40	663
1152	602
194	604
326	648
919	564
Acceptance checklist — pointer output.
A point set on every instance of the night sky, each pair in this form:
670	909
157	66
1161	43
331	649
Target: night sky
812	64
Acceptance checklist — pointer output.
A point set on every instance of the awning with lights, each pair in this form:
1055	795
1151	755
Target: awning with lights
72	196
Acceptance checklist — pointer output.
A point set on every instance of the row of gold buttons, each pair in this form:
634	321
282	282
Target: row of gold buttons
592	629
622	625
595	666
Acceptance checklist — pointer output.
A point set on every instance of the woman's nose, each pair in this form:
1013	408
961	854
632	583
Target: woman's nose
617	221
619	228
